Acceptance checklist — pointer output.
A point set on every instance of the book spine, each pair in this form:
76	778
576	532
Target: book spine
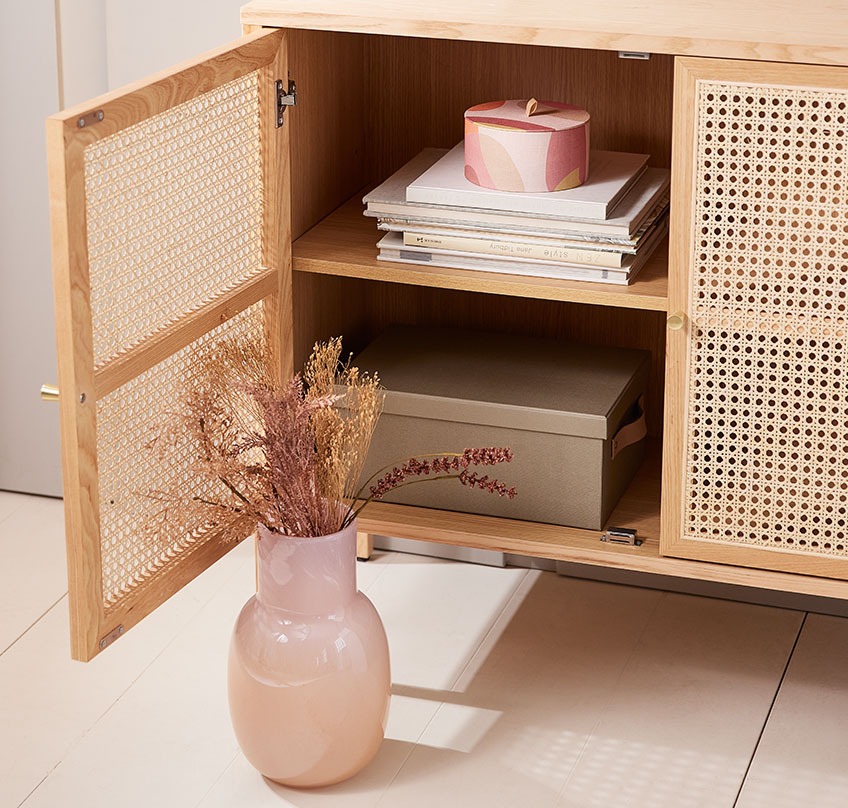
515	249
550	271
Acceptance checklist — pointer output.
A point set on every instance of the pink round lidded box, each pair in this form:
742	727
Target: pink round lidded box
527	146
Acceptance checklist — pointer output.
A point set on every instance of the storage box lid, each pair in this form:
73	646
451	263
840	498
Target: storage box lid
541	385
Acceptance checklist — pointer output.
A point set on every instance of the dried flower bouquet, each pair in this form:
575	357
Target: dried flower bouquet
285	455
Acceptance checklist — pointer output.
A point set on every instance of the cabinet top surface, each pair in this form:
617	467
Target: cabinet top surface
781	30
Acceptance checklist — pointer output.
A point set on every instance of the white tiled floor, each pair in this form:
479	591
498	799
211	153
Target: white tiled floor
512	689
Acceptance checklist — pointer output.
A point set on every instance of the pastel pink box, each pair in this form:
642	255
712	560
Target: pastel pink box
527	146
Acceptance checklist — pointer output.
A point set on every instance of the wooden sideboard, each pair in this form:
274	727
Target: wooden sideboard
745	480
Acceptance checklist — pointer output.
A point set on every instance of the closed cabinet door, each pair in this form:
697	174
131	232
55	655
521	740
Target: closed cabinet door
756	443
169	209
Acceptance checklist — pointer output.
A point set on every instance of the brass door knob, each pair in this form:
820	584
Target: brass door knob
675	321
49	392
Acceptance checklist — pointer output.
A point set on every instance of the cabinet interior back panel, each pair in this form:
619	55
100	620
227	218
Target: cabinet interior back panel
419	90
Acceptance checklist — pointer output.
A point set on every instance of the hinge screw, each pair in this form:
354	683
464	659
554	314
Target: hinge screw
81	123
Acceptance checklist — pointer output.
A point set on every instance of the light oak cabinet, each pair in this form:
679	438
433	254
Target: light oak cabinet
182	212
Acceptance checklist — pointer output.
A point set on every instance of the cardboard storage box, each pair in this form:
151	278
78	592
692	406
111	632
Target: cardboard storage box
572	415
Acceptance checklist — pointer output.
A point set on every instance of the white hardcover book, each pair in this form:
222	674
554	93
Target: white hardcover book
387	202
611	175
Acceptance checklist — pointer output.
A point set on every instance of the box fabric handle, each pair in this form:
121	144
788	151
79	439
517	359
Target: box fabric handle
631	433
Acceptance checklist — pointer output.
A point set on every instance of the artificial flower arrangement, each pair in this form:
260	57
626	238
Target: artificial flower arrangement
286	455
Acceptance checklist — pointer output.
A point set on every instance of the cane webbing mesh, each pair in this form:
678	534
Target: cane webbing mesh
174	213
136	537
767	426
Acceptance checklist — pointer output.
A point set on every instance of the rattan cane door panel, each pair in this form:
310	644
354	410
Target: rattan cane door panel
169	203
756	450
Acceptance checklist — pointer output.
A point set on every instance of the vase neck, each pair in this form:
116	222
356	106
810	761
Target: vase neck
307	575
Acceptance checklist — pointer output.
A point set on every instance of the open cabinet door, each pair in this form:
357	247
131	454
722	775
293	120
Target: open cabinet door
170	226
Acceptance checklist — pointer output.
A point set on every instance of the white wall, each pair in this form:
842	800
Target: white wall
82	50
29	91
64	52
150	35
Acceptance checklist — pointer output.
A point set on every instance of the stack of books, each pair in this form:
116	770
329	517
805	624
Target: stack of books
603	230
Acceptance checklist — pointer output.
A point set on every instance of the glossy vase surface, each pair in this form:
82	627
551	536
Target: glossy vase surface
309	663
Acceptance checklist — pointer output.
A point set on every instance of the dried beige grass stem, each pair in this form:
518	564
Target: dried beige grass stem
281	454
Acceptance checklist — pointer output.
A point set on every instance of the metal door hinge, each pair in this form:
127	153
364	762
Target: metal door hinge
90	118
111	637
621	535
285	99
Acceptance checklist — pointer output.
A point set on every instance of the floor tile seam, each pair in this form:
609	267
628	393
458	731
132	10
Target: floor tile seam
81	736
519	591
38	785
32	501
770	710
15	510
412	748
218	779
33	624
613	692
406	758
380	575
175	636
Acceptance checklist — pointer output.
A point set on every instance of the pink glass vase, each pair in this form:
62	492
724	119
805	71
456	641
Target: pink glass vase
308	664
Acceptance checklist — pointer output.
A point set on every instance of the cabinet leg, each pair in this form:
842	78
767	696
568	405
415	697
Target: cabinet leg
364	546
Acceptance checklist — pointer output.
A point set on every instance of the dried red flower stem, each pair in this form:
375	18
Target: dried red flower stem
442	467
448	461
487	484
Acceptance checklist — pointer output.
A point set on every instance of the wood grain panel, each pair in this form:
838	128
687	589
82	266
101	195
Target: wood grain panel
676	379
399	82
749	29
424	87
330	127
327	306
275	142
78	420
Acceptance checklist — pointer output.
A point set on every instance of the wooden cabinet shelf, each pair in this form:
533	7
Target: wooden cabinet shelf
579	546
345	244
